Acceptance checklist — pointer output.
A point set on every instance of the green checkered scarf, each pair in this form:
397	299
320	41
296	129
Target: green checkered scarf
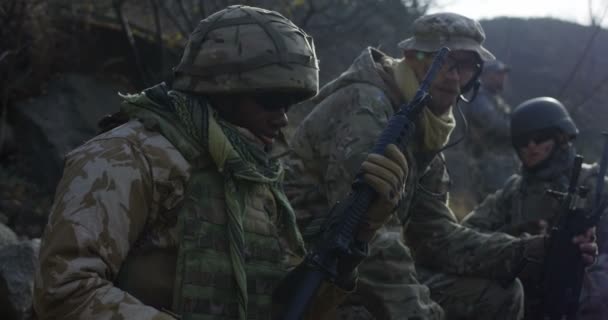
195	129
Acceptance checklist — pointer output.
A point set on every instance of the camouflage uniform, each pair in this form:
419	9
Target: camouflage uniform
178	210
489	156
328	147
523	201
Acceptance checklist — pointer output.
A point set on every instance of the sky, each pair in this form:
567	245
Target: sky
571	10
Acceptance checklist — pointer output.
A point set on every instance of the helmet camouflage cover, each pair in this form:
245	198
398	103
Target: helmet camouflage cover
244	49
457	32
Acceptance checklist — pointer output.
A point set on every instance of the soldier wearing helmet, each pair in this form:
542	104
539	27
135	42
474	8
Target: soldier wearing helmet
490	161
459	265
181	211
542	132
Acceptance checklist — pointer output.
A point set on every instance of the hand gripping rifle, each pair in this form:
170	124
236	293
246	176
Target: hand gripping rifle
564	268
337	240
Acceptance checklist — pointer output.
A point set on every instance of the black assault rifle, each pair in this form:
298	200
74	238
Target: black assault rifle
337	240
564	269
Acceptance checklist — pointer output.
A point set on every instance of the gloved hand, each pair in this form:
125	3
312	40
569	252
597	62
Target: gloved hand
386	174
535	249
588	246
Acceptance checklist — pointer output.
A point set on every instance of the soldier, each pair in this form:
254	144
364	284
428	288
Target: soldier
462	266
490	161
542	133
482	163
181	210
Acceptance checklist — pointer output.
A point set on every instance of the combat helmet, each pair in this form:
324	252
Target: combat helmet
249	50
495	66
542	113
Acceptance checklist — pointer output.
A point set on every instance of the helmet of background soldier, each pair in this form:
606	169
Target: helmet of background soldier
457	32
542	113
248	50
496	66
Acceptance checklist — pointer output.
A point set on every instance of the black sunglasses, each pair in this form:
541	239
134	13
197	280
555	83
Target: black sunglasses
538	137
276	102
468	66
461	65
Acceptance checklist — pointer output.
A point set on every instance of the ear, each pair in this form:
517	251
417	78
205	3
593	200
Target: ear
416	60
562	139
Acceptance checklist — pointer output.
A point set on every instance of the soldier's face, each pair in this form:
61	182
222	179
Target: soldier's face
458	69
263	115
535	150
494	81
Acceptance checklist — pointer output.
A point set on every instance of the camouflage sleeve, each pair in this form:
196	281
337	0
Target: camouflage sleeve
388	275
366	116
491	214
101	205
589	178
439	242
388	284
485	118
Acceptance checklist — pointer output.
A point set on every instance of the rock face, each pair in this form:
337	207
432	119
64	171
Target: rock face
49	126
17	267
7	236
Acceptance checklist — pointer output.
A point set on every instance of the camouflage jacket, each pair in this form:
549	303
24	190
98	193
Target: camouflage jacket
110	248
523	200
490	160
328	148
489	124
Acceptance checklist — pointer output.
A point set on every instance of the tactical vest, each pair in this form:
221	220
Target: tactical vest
267	253
530	201
264	253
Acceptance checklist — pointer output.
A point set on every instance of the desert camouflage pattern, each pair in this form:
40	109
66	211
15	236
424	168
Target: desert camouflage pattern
328	147
115	199
388	287
523	200
474	297
110	248
457	32
279	56
489	155
470	274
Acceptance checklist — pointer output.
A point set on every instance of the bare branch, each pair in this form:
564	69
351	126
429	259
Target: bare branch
184	13
342	18
124	23
592	18
7	53
594	91
3	116
580	60
218	5
158	34
201	9
173	19
311	11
